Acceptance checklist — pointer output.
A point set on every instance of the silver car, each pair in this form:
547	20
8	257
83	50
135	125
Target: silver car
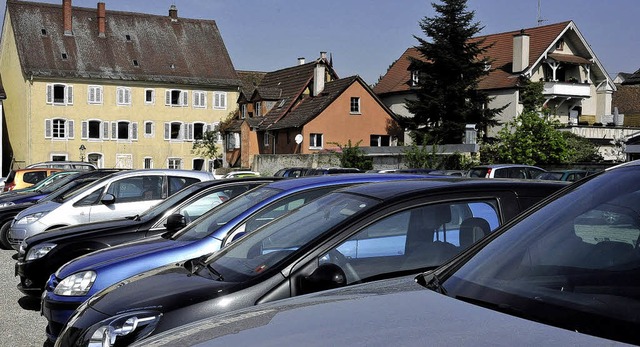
119	195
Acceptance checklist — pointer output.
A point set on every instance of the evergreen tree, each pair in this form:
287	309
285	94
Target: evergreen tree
452	64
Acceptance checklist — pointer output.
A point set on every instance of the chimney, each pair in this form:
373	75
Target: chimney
319	74
101	20
66	17
301	61
173	12
520	52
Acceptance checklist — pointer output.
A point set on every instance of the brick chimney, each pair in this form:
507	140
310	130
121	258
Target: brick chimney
66	17
173	12
101	20
319	74
520	51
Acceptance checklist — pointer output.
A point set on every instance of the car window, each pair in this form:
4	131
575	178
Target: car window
138	188
198	207
34	177
176	183
90	199
419	237
502	173
534	173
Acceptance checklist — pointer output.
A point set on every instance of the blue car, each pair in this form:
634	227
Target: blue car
79	279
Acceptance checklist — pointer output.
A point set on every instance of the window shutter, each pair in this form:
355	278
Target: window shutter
127	96
99	95
120	96
69	90
92	94
216	100
223	100
203	99
185	98
47	128
236	139
84	132
114	130
181	135
49	93
167	97
189	131
134	131
70	129
105	130
167	131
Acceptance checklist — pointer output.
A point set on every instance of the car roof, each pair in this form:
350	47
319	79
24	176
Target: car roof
310	181
496	166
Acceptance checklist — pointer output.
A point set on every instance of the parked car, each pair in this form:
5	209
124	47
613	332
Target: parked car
291	172
331	171
564	273
505	171
564	175
36	191
23	178
66	165
58	192
122	194
217	228
238	174
353	235
42	254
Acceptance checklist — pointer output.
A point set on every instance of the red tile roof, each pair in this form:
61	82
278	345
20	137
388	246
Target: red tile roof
397	78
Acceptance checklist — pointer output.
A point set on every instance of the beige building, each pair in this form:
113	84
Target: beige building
120	89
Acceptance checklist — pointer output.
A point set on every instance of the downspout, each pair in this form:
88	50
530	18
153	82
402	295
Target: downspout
29	133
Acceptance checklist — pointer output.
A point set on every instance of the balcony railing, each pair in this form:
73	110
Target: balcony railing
578	90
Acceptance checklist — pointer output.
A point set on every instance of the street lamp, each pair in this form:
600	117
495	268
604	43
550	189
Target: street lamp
82	149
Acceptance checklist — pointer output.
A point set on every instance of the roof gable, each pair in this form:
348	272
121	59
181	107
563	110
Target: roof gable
136	46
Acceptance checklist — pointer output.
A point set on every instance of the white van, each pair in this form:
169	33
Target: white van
119	195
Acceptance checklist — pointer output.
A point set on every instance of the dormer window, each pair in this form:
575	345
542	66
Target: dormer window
44	32
128	37
64	56
135	63
560	45
256	108
243	111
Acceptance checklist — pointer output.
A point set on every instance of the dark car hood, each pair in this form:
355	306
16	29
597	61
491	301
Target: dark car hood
164	288
394	312
26	196
86	230
105	257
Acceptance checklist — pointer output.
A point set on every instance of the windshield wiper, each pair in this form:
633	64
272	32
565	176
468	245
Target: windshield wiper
431	281
194	265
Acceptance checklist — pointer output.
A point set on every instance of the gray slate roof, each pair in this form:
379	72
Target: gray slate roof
186	51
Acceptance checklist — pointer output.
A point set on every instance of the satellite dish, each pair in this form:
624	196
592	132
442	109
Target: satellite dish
298	138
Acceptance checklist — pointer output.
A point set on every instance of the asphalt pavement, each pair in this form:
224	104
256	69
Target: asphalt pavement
20	320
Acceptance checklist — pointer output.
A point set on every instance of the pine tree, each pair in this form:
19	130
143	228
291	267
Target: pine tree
451	66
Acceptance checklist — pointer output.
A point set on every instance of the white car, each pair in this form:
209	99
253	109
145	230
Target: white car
505	171
123	194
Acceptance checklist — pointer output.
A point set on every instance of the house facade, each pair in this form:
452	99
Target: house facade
306	109
577	89
120	89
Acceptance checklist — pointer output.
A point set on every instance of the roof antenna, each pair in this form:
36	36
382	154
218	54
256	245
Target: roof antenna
540	19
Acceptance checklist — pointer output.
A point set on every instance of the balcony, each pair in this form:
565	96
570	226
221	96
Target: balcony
567	89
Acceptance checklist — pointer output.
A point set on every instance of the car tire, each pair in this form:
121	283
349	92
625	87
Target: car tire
4	235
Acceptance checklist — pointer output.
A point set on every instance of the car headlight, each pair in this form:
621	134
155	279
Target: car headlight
77	284
38	251
8	203
121	330
30	218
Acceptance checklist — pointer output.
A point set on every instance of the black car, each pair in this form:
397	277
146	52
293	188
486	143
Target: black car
352	235
291	172
55	190
563	274
42	254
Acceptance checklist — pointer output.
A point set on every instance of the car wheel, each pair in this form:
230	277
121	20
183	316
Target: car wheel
4	235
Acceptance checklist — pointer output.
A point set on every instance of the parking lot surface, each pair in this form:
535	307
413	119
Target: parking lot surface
20	320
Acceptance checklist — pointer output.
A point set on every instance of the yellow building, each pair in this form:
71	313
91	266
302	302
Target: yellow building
121	89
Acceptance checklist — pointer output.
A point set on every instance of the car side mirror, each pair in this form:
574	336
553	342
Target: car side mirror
108	199
175	222
326	276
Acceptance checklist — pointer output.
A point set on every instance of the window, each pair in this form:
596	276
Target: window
94	94
58	128
92	129
174	97
149	96
174	163
257	110
379	140
243	111
174	131
233	141
198	164
148	163
149	129
124	130
199	99
415	78
199	130
59	94
123	96
220	100
560	45
265	140
315	141
355	105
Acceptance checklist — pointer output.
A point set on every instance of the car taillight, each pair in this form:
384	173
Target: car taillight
488	173
10	186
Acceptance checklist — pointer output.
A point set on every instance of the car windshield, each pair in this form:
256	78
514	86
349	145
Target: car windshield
222	214
574	263
167	203
270	245
56	183
554	176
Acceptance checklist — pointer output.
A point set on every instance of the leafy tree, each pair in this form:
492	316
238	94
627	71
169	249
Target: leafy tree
452	64
353	156
583	150
207	145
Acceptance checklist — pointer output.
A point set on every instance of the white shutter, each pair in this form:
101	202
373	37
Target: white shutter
167	97
134	131
99	95
47	128
167	131
216	100
127	96
49	93
84	131
185	98
69	90
223	100
181	134
105	130
92	94
189	131
114	130
236	139
120	96
70	129
203	99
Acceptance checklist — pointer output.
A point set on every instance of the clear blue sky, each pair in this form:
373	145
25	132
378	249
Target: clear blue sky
366	36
